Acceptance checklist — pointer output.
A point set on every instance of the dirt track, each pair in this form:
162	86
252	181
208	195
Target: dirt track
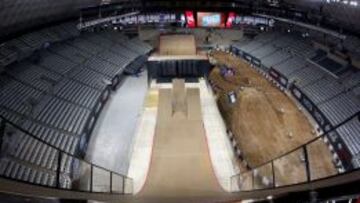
267	123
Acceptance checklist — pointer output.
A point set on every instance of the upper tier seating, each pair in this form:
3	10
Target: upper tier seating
275	58
330	65
71	53
35	40
322	89
251	46
21	104
356	90
307	75
352	44
7	55
350	134
57	97
33	75
85	46
19	48
320	54
351	79
90	78
133	44
340	107
290	66
301	47
117	48
265	51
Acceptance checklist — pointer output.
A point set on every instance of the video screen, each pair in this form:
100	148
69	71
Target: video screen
210	19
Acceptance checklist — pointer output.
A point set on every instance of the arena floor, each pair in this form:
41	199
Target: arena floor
180	164
113	137
267	123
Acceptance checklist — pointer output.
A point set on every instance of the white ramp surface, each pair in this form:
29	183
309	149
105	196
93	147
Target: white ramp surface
221	152
144	136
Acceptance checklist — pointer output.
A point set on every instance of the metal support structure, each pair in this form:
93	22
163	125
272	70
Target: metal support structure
111	177
273	175
253	179
58	170
304	25
123	185
2	127
307	166
2	131
99	21
91	178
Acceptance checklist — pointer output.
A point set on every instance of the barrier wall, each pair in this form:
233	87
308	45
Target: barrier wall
178	68
248	57
279	77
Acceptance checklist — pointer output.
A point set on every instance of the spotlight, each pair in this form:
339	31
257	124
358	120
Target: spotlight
269	197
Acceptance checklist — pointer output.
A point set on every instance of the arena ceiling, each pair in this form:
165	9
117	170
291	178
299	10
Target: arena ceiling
338	13
21	15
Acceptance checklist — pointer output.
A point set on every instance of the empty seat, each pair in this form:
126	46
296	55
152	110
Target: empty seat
56	63
92	78
77	93
291	65
34	76
62	115
109	64
322	90
71	53
275	58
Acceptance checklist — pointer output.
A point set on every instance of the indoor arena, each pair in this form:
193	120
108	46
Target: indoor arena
176	101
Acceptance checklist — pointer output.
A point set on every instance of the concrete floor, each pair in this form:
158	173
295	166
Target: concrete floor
112	140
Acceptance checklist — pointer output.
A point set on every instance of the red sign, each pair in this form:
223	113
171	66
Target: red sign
230	20
190	20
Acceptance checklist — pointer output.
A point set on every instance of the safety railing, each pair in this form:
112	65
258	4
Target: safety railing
298	166
27	158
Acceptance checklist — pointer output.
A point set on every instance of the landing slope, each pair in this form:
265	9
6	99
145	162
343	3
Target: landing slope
180	165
